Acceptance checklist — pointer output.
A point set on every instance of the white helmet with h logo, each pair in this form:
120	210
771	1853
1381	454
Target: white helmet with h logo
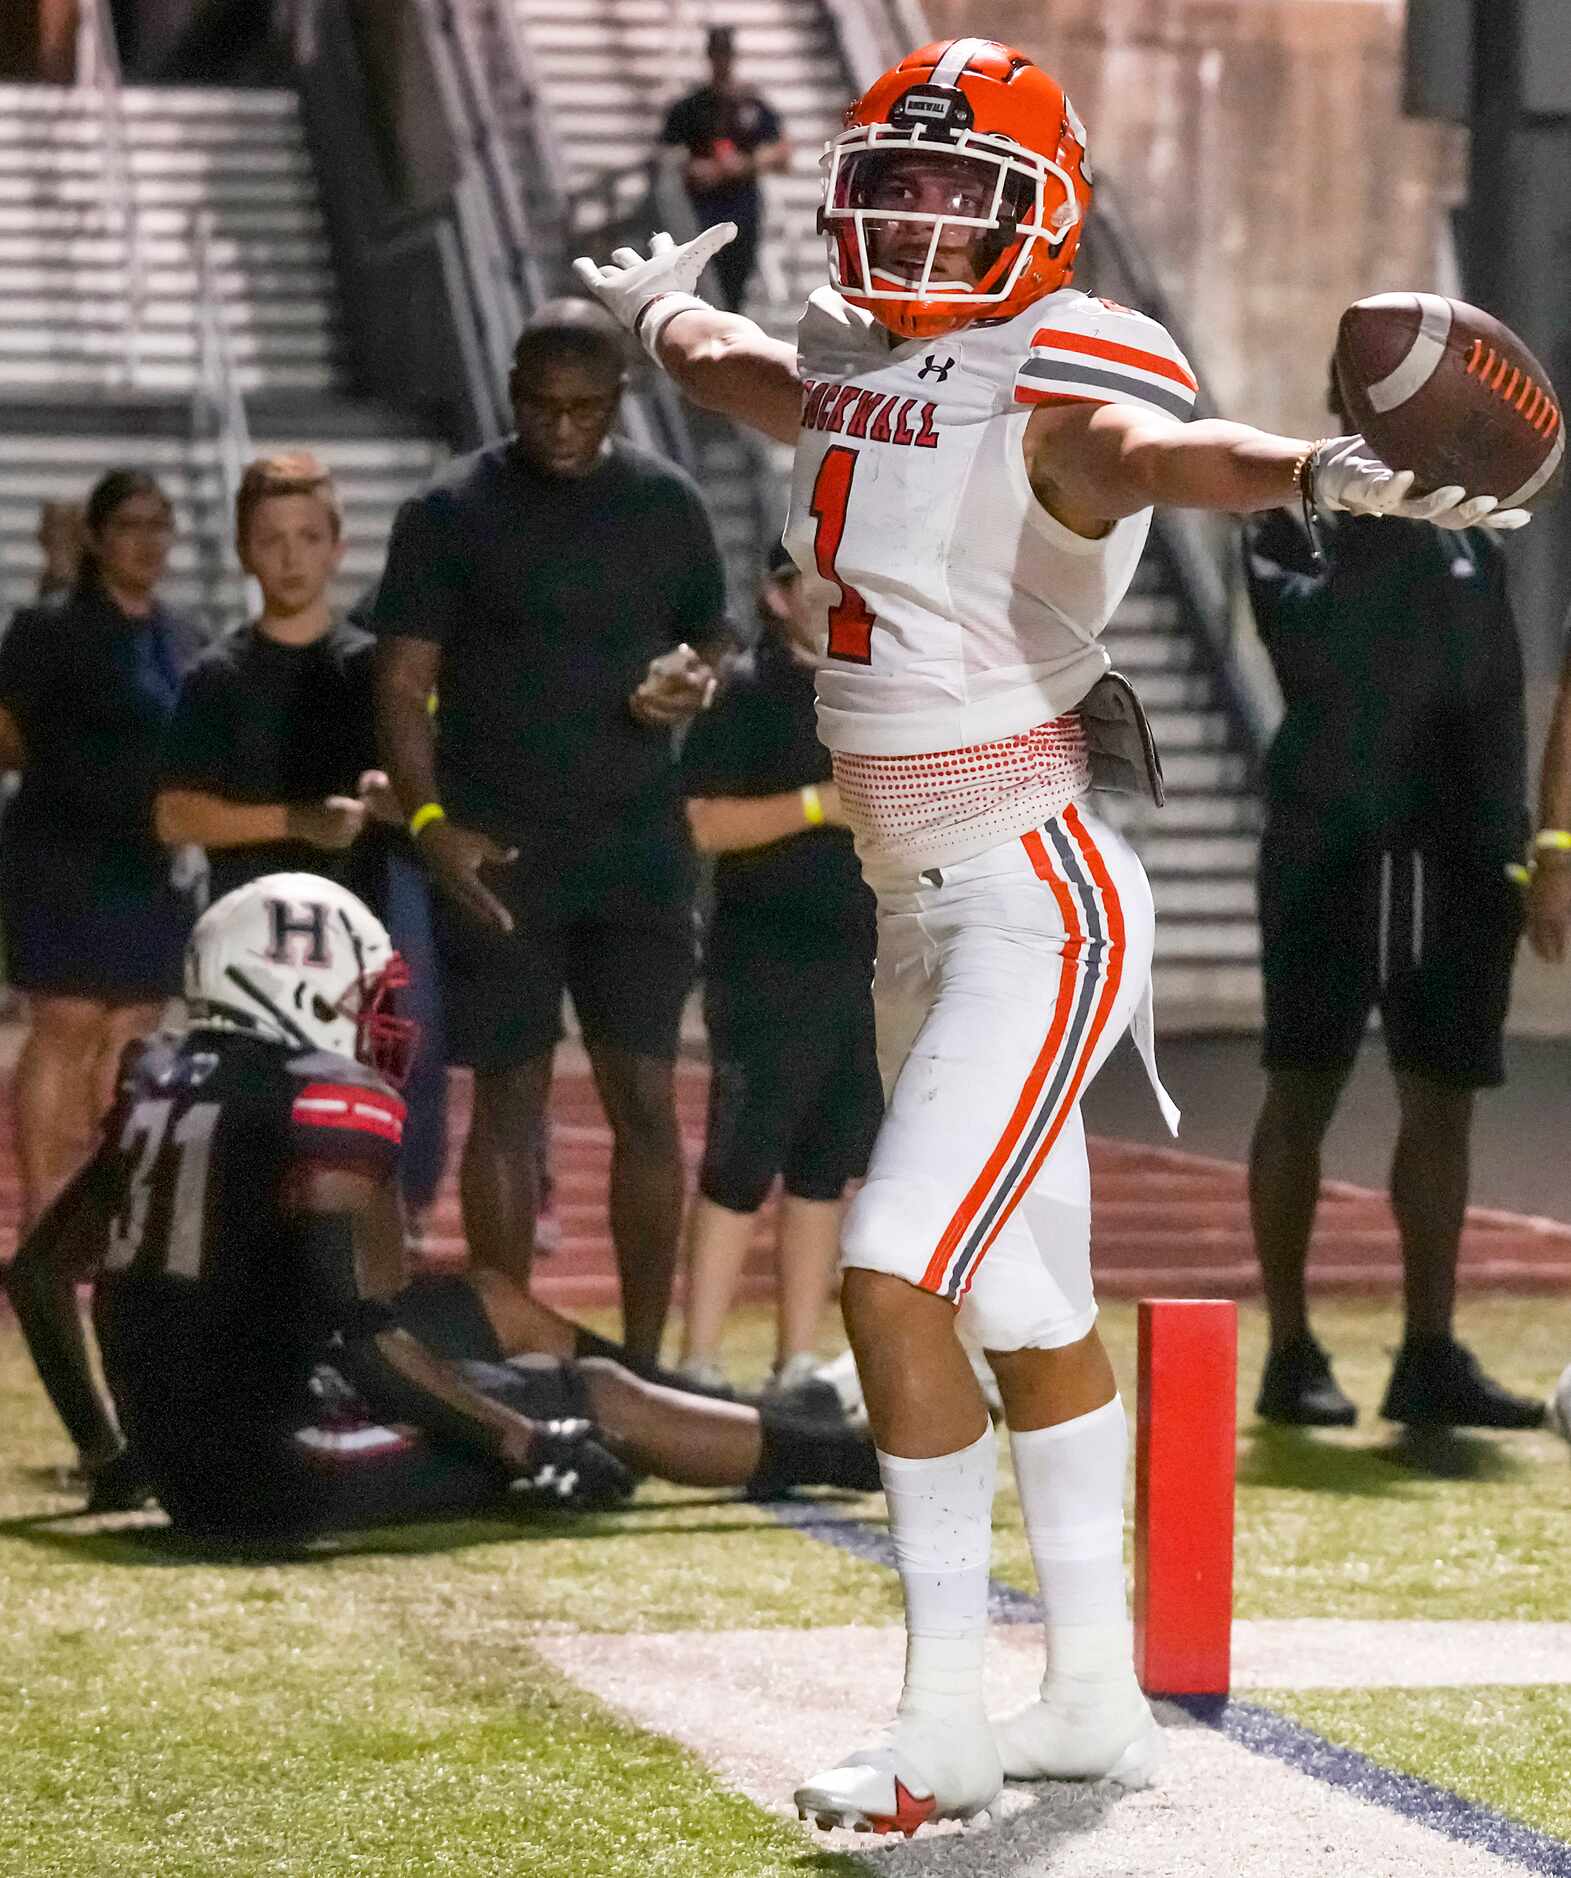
298	960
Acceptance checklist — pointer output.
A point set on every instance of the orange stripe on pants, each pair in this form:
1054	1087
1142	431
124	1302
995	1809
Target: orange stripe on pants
1074	945
1114	945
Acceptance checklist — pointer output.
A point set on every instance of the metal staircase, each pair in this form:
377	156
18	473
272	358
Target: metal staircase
95	300
170	301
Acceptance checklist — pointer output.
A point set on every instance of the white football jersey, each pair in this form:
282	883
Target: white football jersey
955	608
955	611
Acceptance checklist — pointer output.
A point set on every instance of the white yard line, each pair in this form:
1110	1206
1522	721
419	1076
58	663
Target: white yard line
763	1708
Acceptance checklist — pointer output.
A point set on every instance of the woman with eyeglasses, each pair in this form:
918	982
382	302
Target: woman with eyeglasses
94	926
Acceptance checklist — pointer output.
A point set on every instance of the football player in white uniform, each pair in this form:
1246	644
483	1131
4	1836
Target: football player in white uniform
979	447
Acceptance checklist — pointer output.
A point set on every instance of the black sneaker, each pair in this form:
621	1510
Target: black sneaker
1437	1383
1299	1389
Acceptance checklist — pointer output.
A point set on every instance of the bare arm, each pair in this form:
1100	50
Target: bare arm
406	672
195	815
1091	464
730	364
732	824
344	1218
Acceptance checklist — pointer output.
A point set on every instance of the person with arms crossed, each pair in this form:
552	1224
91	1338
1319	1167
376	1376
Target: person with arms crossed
241	1221
1395	789
546	589
978	448
788	959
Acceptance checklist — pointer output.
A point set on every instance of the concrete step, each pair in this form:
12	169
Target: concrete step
651	43
110	282
164	344
1182	856
1221	941
82	314
1204	895
1201	814
371	460
745	16
1190	730
1194	996
232	222
256	106
1135	653
216	190
28	243
48	160
173	378
1176	691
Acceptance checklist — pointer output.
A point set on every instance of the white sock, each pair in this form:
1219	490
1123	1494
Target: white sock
941	1522
1071	1483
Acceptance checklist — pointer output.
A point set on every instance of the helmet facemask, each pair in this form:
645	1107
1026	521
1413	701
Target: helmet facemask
929	233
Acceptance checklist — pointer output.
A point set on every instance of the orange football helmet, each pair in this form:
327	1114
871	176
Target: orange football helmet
958	189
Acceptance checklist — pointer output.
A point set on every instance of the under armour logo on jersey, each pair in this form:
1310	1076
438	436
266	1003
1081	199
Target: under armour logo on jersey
931	364
306	924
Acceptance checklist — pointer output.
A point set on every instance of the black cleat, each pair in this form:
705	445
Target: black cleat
1437	1383
1298	1388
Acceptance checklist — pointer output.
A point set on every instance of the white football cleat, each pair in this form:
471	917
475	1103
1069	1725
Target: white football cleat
1051	1738
927	1768
1557	1411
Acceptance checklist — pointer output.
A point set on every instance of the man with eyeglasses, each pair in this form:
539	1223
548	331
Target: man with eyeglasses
549	591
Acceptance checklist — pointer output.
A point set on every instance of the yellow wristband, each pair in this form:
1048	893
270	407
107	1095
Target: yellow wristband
424	816
1552	841
812	806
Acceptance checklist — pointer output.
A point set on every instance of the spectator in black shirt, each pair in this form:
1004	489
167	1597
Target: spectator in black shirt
546	589
787	992
270	762
94	926
1395	808
732	137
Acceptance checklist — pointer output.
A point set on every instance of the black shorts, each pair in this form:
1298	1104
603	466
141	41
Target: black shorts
1425	935
626	962
794	1088
444	1312
91	922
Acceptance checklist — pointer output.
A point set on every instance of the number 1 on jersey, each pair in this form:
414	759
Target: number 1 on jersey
850	618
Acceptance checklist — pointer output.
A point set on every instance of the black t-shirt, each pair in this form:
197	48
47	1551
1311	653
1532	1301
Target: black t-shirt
708	118
91	690
548	597
210	1311
1401	678
262	722
802	898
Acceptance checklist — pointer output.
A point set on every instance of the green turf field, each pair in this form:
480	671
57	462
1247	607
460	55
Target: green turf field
377	1707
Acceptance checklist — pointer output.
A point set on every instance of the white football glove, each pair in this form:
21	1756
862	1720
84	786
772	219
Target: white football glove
626	287
1346	475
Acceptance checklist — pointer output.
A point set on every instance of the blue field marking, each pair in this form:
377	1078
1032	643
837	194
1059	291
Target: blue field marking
1261	1730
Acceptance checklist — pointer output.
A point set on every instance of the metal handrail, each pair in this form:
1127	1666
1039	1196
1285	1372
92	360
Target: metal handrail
216	392
98	71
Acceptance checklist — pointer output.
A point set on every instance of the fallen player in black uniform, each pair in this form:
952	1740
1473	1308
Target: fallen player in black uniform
274	1374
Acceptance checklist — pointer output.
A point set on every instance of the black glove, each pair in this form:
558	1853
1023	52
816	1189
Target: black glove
570	1471
119	1486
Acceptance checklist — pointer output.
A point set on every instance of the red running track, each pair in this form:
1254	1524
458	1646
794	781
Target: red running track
1164	1223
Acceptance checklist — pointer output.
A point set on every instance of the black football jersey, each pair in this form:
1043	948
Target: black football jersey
204	1307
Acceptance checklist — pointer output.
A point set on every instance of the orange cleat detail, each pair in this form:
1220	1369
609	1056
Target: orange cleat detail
909	1812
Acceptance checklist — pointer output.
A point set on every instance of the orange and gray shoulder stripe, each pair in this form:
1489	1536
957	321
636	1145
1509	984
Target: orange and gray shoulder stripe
1066	858
1110	357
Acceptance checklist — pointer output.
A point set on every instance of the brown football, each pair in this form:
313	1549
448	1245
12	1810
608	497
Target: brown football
1443	389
